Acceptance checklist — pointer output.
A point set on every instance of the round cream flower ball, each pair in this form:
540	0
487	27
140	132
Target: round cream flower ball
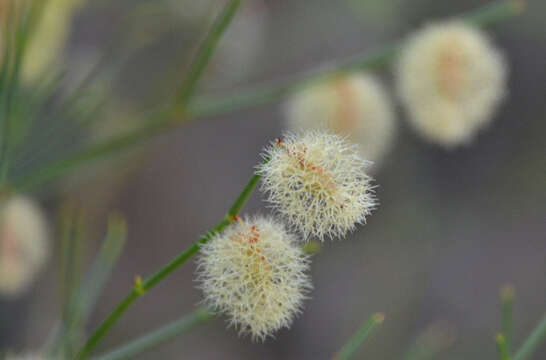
255	274
353	104
23	243
451	79
317	181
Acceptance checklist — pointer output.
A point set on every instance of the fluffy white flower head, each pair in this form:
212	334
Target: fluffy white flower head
451	79
254	273
23	244
354	104
317	182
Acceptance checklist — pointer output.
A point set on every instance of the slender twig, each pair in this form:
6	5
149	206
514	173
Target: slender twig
532	342
502	347
182	110
73	225
13	32
141	287
358	338
158	336
507	303
22	21
101	268
205	53
72	228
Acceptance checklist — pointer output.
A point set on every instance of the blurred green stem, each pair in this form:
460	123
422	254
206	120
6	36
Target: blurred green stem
532	342
20	24
183	110
502	347
358	338
507	303
81	300
141	287
158	336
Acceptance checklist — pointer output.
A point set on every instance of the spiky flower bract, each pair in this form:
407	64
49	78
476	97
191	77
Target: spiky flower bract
23	243
255	274
317	182
451	79
353	104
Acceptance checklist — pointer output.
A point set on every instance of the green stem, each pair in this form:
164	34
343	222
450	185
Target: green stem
209	106
7	85
358	338
21	22
532	342
141	287
507	301
205	53
159	336
502	347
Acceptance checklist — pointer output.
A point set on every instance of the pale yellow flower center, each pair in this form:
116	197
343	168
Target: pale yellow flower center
316	179
257	269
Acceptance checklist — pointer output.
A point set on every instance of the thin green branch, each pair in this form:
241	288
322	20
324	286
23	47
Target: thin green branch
141	287
12	33
507	304
204	54
72	228
159	336
102	267
532	342
358	338
502	347
183	110
22	20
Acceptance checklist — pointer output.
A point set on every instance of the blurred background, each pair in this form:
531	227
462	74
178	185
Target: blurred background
453	226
